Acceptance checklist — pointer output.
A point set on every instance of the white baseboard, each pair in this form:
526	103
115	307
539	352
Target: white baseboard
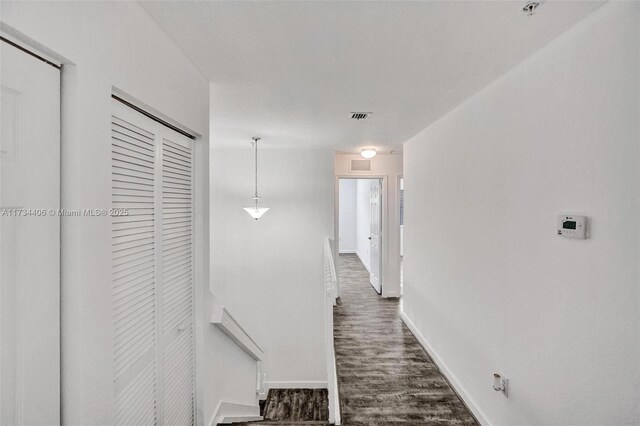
365	264
391	294
347	252
229	412
445	371
317	384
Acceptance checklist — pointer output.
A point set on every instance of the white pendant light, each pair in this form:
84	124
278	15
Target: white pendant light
256	212
368	153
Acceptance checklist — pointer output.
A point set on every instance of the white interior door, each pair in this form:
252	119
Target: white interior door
177	277
152	272
376	236
29	239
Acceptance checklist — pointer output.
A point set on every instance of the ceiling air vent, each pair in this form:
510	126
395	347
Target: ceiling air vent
360	165
360	115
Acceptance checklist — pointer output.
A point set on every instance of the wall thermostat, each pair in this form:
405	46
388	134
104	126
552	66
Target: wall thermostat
572	226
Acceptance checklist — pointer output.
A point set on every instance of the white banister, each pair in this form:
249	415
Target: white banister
331	293
222	319
330	275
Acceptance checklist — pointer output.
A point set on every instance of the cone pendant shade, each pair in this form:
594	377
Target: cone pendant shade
256	212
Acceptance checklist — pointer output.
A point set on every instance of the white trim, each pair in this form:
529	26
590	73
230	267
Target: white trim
369	271
366	266
330	276
455	383
201	265
400	245
312	384
222	319
27	43
348	252
229	412
148	108
331	282
385	262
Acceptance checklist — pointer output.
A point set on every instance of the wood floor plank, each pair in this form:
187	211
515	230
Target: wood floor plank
297	405
384	376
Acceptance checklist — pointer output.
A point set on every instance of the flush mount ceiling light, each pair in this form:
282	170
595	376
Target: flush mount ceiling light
368	153
255	211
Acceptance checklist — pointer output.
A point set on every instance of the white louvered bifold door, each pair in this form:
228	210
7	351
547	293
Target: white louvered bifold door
134	275
177	272
152	249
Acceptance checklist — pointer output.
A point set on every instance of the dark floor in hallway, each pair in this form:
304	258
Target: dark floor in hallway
384	375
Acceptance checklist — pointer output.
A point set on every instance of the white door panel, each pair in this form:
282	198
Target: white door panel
29	239
177	274
133	240
153	272
376	236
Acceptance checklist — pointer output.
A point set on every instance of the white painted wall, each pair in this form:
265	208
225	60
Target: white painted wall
488	283
269	273
388	166
347	217
363	221
230	374
104	45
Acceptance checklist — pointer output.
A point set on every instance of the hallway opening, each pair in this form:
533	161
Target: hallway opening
136	290
384	375
360	224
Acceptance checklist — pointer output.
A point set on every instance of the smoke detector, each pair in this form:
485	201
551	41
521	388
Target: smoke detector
530	7
360	115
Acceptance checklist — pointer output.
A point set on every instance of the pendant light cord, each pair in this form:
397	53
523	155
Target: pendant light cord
255	145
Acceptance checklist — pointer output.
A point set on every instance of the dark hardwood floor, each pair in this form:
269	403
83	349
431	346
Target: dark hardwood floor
384	375
296	405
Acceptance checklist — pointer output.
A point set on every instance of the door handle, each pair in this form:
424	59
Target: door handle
369	237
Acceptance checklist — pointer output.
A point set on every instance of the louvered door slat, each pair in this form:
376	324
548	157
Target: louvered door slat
178	361
133	292
134	260
152	273
135	405
177	231
134	286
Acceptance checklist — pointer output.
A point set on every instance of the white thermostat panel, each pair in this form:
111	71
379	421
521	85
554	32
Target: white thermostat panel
572	226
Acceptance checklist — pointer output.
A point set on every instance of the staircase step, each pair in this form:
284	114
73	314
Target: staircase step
296	406
286	423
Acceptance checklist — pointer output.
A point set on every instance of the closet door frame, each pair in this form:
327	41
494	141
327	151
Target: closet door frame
159	130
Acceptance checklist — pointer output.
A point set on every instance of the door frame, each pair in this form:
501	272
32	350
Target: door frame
199	224
384	253
25	47
71	275
400	248
400	189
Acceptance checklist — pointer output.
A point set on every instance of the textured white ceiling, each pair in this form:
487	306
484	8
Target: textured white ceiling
292	72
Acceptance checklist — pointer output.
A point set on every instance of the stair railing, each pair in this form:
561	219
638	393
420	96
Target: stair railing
222	319
331	293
